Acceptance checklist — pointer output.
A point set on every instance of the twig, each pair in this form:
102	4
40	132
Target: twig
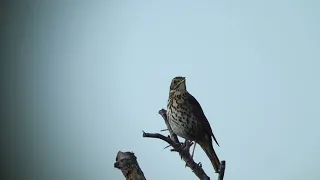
222	169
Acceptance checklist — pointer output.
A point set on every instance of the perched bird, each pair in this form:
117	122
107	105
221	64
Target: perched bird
188	120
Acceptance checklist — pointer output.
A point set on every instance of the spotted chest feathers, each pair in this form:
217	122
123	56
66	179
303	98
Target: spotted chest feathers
181	117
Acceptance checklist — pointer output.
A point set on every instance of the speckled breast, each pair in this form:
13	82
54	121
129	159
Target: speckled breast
181	118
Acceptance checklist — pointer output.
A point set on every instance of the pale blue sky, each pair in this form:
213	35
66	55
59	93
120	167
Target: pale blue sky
96	73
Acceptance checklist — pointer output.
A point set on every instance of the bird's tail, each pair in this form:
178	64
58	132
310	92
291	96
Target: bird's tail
208	149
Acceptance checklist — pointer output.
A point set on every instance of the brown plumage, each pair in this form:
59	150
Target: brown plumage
188	120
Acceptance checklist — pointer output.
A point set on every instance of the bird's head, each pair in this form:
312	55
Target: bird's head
178	84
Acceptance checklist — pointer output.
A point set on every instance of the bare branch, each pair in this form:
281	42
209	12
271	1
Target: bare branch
222	169
163	113
127	163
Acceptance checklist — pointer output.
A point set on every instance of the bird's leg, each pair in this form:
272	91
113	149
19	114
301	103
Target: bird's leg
184	145
187	144
194	147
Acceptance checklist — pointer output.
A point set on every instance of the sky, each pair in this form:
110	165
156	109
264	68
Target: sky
83	79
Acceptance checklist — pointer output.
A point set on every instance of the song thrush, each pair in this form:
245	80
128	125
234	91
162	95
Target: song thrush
188	120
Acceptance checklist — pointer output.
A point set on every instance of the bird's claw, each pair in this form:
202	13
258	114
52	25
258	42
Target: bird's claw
186	145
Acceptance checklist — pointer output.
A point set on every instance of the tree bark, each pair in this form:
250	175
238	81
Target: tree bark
128	164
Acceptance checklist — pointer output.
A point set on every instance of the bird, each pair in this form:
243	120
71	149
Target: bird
188	121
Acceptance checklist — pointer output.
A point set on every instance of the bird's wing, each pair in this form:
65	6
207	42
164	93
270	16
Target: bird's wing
197	109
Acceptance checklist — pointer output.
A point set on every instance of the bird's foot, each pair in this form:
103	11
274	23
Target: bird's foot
186	145
181	148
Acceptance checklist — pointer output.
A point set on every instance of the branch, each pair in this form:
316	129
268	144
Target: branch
222	169
163	113
127	163
183	150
